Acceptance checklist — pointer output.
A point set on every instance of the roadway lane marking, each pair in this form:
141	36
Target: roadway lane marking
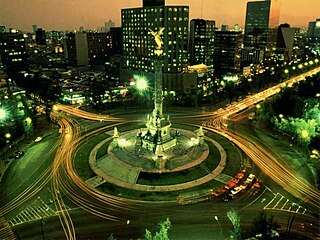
285	204
271	201
278	202
294	207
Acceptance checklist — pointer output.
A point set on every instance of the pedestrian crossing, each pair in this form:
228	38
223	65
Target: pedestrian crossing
280	202
35	211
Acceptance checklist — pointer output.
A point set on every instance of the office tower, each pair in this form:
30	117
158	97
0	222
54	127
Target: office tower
153	3
13	52
138	44
40	36
201	41
114	55
116	40
262	18
85	49
227	51
313	37
285	41
76	49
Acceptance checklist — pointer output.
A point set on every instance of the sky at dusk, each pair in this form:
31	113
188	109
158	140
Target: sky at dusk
71	14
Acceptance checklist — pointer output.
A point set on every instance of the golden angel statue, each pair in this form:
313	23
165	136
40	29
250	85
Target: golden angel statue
157	37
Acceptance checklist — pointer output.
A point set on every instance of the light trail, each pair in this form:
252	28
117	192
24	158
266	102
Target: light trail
266	161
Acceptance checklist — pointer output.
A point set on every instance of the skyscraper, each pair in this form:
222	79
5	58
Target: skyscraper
86	48
262	18
285	41
13	52
201	42
138	45
313	37
227	52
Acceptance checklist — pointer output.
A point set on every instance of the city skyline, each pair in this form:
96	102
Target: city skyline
52	15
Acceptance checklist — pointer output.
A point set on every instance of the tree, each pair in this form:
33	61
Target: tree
236	233
163	231
264	227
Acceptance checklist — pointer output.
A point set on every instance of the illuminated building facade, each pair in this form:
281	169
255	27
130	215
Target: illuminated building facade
201	42
13	52
227	53
285	42
138	44
313	37
262	19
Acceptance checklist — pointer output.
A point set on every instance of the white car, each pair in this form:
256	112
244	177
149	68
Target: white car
38	139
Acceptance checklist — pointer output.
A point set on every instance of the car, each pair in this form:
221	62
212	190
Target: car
38	139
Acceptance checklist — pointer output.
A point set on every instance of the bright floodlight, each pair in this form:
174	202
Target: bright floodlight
7	135
2	113
142	84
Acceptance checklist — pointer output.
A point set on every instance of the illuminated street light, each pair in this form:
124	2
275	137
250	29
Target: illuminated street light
141	84
300	66
294	68
7	135
316	60
258	106
2	114
55	108
286	71
217	219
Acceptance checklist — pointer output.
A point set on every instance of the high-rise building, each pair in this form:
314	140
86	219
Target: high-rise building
201	41
85	49
116	40
227	52
40	36
76	49
313	37
139	45
13	52
262	19
98	45
285	41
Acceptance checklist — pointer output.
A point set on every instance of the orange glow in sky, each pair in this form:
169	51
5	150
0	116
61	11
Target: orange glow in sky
71	14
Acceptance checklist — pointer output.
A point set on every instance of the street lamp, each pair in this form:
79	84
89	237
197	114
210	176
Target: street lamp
2	113
128	221
142	84
217	219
